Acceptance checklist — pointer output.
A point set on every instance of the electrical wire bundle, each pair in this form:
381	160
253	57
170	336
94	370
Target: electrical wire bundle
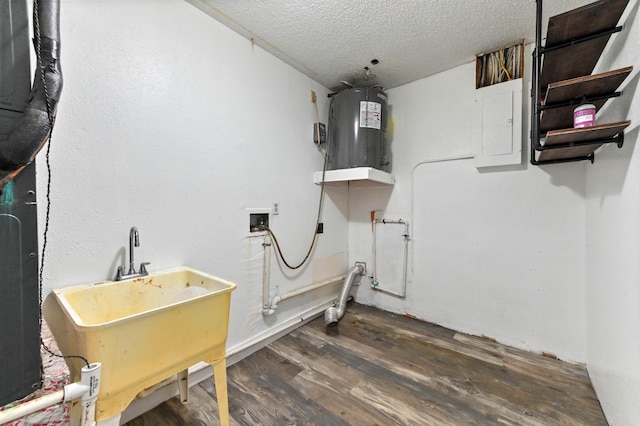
501	65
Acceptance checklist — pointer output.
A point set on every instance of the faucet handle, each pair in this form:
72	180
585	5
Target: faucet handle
119	273
143	268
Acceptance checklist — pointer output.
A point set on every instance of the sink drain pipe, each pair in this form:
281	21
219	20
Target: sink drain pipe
333	314
270	305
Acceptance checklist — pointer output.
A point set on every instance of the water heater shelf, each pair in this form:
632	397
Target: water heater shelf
355	174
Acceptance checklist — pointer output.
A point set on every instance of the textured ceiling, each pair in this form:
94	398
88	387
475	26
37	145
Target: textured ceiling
334	40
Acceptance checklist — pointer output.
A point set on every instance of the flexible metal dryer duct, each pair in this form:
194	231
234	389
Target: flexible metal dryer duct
333	314
32	129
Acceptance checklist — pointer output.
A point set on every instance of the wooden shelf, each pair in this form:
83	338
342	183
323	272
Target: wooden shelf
575	40
574	91
590	85
585	134
578	59
568	153
580	142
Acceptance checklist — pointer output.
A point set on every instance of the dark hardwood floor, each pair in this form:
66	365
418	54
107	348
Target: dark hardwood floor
379	368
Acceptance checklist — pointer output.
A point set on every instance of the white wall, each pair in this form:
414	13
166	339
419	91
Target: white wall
171	122
497	252
613	245
543	258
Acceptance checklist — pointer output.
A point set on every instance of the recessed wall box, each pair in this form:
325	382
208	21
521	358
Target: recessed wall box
257	221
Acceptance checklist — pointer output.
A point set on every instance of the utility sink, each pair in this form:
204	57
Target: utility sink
143	330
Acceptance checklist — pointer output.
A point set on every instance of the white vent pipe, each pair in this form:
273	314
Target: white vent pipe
333	314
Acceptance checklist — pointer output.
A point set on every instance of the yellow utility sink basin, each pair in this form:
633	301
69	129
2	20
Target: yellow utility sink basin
143	330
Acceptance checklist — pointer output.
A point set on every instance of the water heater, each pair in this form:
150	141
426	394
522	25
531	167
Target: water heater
357	129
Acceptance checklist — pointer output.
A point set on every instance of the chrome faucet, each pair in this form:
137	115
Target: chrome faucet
134	241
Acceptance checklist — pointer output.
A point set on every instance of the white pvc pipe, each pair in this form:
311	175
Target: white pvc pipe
270	305
270	309
86	390
374	282
275	331
266	272
273	304
311	287
31	407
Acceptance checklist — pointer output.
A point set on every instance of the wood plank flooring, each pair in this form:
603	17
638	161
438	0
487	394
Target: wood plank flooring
379	368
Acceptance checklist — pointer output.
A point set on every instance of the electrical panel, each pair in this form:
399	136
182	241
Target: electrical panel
497	124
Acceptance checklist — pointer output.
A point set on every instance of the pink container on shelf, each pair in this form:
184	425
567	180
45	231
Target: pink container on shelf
584	116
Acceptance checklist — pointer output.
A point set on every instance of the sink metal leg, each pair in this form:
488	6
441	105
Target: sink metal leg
183	385
220	377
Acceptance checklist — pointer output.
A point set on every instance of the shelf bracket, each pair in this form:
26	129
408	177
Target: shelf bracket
581	39
590	157
583	100
620	141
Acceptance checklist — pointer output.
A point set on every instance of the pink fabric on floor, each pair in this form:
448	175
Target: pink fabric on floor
55	376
